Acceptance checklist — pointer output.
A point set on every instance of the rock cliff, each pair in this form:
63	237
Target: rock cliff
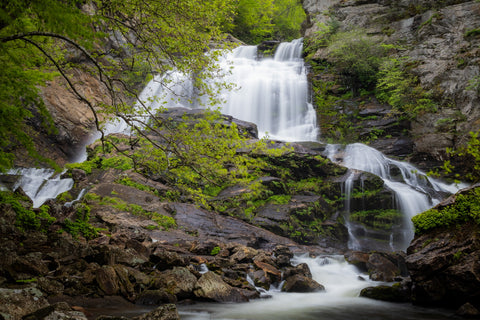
441	40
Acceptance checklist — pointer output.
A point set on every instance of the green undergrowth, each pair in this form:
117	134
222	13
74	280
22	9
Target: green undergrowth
163	222
466	208
40	219
27	218
81	225
126	181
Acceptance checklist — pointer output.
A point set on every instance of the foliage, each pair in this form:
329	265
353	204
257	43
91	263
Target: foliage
199	155
26	217
357	58
42	39
321	37
253	20
468	156
258	20
126	181
81	225
378	219
466	208
215	251
287	19
401	90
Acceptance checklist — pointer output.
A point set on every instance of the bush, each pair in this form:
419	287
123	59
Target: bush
357	58
402	90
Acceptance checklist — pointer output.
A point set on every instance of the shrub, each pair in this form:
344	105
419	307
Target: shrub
402	90
357	58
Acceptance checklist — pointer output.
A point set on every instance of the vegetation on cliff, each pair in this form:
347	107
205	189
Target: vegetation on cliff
350	69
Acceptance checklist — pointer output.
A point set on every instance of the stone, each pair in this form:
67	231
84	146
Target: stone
211	286
107	280
178	281
468	311
393	293
444	263
57	311
381	266
155	297
300	283
15	303
165	312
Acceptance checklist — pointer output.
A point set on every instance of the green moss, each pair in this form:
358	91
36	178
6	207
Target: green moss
81	225
377	219
465	209
27	218
117	162
86	166
472	33
215	251
279	199
163	221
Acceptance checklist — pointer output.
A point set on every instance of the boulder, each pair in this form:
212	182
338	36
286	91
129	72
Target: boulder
444	266
301	283
15	303
468	311
165	312
394	293
381	266
178	281
107	280
211	286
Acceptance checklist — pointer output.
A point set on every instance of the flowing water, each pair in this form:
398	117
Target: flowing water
339	301
39	184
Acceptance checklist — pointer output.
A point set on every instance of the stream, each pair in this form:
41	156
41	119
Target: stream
340	300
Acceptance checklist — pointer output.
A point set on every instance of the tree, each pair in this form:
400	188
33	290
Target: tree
253	20
42	39
288	17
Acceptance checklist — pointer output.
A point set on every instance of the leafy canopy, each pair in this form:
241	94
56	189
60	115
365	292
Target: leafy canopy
118	42
258	20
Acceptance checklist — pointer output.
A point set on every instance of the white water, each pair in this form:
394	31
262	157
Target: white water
340	300
40	184
414	191
272	93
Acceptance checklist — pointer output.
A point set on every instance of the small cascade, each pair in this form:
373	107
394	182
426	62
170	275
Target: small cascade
40	184
414	191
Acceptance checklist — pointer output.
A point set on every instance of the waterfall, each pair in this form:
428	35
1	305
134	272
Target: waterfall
272	93
414	191
40	184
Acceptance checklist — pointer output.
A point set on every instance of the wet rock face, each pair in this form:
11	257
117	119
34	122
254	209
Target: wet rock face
445	267
381	266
